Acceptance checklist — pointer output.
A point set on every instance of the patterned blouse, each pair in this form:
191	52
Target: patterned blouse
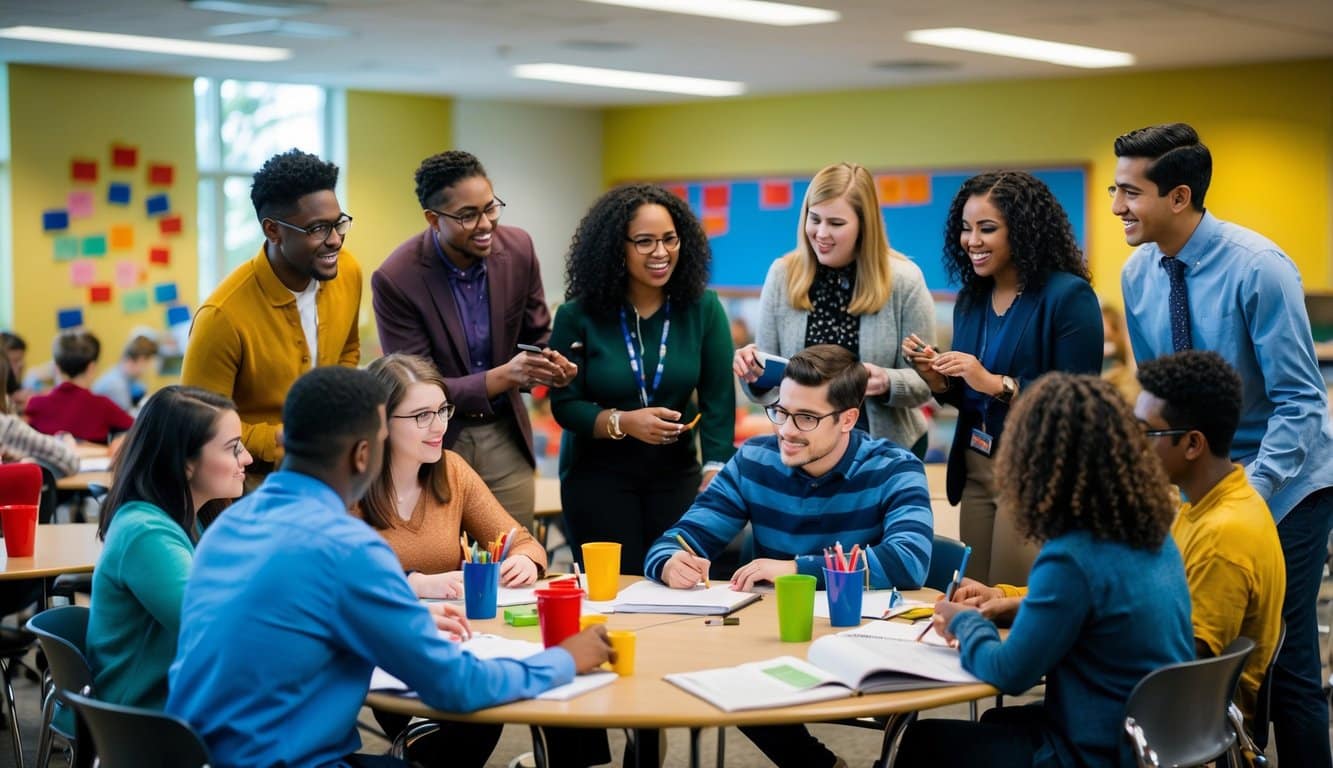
829	321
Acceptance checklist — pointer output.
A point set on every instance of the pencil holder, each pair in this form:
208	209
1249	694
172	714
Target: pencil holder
481	587
845	590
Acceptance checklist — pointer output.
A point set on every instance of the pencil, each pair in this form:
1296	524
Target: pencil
685	545
578	576
692	422
508	540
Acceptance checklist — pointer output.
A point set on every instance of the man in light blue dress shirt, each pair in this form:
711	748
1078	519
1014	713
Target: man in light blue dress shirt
292	602
1198	282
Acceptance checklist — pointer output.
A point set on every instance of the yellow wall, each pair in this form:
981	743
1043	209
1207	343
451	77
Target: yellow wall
1270	128
388	135
60	114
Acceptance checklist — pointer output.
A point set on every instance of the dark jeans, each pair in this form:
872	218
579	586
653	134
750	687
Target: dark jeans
1300	712
790	746
633	506
1008	736
456	745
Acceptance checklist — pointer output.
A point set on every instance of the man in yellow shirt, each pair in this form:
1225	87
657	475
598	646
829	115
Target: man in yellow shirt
1188	409
291	308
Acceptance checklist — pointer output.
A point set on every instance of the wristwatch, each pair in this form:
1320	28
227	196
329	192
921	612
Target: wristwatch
1010	388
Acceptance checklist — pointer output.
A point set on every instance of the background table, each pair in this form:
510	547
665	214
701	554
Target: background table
60	548
684	644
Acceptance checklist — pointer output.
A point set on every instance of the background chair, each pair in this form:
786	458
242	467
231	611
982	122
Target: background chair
1253	741
62	632
1177	715
946	555
129	737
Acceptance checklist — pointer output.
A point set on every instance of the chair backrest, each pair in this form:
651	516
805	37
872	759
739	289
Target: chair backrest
130	737
20	483
1263	706
946	555
1182	708
62	633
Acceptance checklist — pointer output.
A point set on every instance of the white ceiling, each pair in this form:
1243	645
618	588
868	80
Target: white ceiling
466	47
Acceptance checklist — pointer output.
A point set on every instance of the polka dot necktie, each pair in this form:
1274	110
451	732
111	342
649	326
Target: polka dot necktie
1180	304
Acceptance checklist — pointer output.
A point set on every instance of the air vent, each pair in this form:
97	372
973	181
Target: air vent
913	66
257	7
281	28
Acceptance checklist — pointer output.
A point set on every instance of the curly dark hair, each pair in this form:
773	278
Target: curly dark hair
1041	239
1073	458
288	177
439	172
1200	391
595	272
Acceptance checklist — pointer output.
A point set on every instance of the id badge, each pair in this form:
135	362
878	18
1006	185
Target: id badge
981	442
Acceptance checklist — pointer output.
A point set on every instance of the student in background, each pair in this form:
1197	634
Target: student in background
1252	314
1108	602
292	602
72	407
844	285
1024	308
654	350
293	307
18	441
123	384
816	481
437	295
1117	356
184	453
16	354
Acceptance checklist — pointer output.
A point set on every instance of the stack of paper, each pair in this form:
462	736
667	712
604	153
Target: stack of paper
650	597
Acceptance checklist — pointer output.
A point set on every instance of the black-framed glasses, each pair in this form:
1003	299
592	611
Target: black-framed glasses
472	218
424	418
646	245
1173	432
805	422
321	230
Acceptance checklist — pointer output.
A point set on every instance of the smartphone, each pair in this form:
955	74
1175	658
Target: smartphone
529	348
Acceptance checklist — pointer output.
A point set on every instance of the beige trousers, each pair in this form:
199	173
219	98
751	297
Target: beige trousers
495	451
999	554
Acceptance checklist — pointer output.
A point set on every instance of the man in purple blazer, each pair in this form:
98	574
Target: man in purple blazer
464	293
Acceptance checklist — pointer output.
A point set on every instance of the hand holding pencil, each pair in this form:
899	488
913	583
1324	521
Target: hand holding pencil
685	569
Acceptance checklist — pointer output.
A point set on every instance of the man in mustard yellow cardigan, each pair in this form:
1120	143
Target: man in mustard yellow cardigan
291	308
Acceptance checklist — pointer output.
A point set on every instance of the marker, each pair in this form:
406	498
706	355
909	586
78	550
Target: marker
726	621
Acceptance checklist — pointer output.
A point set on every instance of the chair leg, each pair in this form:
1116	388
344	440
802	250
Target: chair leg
44	742
972	710
721	746
894	728
8	692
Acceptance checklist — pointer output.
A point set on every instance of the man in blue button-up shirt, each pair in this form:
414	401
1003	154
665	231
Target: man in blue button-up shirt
292	602
1243	300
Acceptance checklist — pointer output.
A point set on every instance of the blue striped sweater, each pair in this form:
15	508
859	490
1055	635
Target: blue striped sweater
876	496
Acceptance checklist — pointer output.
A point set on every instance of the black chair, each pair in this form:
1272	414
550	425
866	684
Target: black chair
129	737
1253	741
1177	715
946	555
61	633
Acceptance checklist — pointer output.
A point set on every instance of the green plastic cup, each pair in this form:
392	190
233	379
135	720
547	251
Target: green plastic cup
796	607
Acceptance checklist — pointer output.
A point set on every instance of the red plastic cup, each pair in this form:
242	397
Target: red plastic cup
567	583
558	614
19	523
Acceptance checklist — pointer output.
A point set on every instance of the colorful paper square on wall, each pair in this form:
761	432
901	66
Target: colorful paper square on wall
177	315
889	189
169	225
82	273
122	237
80	204
118	193
165	293
66	248
159	256
83	170
161	174
134	301
124	156
774	195
71	317
157	204
717	197
916	189
128	273
55	220
680	190
100	293
715	224
94	245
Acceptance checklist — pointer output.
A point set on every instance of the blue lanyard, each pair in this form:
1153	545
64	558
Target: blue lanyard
636	362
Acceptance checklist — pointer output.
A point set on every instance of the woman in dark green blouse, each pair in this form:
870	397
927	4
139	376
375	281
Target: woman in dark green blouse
654	352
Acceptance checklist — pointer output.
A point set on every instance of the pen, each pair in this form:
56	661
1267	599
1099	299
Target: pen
953	584
962	569
508	540
578	576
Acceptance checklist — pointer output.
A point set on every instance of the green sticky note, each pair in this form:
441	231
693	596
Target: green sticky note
94	245
66	248
134	301
796	678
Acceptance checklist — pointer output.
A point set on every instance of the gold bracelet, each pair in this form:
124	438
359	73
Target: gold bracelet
613	426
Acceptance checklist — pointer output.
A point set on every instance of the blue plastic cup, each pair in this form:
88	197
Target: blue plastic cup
845	590
481	588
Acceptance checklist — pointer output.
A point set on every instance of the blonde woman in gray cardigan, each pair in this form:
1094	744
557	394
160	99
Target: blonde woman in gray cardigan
843	285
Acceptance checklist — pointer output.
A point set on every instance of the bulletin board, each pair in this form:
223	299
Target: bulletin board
752	221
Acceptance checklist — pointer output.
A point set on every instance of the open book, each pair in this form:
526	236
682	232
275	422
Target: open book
650	597
496	647
877	658
774	367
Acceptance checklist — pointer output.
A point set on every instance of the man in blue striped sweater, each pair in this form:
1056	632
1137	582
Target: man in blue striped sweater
816	481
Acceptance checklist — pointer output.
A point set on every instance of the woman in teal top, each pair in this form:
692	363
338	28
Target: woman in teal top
183	453
654	353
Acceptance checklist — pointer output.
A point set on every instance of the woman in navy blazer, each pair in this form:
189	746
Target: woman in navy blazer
1025	307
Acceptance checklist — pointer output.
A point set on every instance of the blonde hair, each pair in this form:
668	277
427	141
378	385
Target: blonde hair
874	278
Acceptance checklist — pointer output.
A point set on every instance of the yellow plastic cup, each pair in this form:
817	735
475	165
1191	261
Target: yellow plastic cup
601	564
590	619
623	642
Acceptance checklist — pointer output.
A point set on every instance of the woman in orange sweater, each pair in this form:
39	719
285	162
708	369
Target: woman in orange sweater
426	496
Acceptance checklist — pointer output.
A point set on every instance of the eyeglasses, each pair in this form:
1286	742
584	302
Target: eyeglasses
646	245
321	230
472	218
804	422
1149	432
424	418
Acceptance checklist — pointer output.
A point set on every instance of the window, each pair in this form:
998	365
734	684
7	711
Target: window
239	125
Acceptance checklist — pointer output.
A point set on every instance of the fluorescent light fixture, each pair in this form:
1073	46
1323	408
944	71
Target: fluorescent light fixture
981	41
167	45
261	8
636	81
753	11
